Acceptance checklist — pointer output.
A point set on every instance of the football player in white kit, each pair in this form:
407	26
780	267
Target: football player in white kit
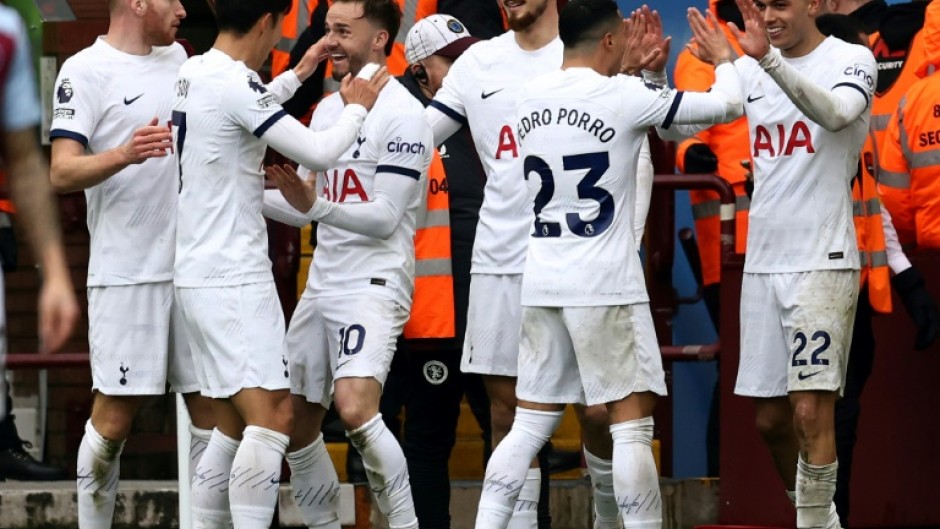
110	126
480	90
587	330
224	118
359	290
808	106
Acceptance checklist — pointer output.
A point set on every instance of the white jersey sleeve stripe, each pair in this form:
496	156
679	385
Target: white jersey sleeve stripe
677	99
60	133
268	123
399	170
859	88
451	113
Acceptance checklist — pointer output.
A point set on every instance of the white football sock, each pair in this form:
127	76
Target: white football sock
316	485
387	471
525	512
198	441
509	465
636	484
815	487
255	477
99	468
210	483
606	512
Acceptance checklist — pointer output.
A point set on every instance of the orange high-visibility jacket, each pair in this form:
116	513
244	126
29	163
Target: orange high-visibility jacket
883	106
432	310
870	233
297	20
910	150
871	240
731	145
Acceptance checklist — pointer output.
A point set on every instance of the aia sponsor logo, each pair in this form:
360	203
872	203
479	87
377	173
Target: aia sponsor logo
771	141
341	184
507	143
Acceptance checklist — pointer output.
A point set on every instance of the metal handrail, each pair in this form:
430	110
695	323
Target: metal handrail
726	196
45	361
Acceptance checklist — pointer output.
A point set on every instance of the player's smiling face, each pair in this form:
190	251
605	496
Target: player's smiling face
351	38
789	22
161	20
522	13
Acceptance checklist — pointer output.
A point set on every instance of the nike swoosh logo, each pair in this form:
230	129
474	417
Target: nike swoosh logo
801	376
486	95
751	99
129	101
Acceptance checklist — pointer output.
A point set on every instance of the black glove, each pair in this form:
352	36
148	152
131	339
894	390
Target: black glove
700	159
920	306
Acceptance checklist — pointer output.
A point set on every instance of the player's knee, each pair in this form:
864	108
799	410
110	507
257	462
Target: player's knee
774	428
200	410
112	418
280	417
594	419
354	414
806	419
502	415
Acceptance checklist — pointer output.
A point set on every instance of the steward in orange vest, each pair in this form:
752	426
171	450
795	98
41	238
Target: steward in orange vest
909	163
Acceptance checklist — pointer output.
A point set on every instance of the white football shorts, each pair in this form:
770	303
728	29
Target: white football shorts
494	319
137	340
237	337
333	337
588	355
796	330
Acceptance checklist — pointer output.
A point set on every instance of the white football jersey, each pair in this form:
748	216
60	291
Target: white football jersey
221	111
102	95
395	142
801	212
580	135
482	89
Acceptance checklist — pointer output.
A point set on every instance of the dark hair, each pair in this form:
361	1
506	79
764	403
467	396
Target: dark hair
239	16
844	27
386	14
584	21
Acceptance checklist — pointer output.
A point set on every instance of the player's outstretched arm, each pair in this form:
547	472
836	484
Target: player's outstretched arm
377	218
58	309
74	170
442	125
320	150
832	107
276	207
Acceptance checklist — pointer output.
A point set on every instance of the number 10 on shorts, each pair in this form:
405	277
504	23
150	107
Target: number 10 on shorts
351	339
